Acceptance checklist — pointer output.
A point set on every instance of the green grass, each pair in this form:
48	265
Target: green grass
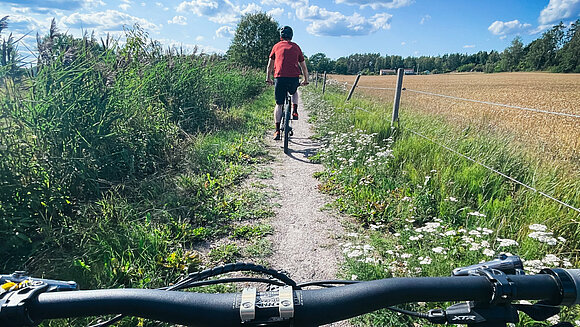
427	210
117	161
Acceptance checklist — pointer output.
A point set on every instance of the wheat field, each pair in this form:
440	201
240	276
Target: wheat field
553	136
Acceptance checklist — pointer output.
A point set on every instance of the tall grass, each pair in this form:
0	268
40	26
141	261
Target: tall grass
425	210
117	158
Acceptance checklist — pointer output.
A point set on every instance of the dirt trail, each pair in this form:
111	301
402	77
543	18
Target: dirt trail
305	239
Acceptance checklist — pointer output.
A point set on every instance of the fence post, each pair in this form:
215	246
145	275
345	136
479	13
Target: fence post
353	87
400	72
324	84
316	80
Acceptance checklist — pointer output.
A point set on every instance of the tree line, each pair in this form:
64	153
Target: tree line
557	50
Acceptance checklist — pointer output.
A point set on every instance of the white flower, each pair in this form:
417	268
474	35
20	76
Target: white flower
355	253
352	234
439	249
475	246
425	261
353	277
450	233
538	227
504	242
544	237
488	252
476	213
551	259
554	319
406	255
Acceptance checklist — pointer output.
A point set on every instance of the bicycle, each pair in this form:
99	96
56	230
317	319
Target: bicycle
491	288
286	123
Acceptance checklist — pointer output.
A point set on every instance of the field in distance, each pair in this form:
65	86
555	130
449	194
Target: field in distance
556	136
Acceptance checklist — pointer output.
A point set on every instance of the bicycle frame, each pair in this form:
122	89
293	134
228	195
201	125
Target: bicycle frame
287	122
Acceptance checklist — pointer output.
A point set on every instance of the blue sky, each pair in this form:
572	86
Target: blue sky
334	27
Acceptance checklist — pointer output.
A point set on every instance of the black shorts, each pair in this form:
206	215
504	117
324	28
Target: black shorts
283	85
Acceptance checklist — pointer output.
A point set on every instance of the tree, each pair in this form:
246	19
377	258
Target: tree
570	52
320	62
255	36
512	56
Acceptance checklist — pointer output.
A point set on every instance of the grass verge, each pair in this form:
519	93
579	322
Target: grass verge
423	210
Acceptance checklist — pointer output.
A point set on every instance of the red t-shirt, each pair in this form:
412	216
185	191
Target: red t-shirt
286	56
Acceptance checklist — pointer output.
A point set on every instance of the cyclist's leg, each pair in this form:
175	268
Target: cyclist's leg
280	95
294	92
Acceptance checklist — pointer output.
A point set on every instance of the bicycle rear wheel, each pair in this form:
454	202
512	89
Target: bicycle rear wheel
287	128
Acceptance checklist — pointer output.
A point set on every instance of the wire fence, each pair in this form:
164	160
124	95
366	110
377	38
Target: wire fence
563	114
476	101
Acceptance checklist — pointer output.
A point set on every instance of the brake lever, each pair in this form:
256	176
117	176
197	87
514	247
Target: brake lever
21	279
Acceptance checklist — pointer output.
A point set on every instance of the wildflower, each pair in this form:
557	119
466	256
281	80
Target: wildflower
406	255
427	178
355	253
416	238
352	234
553	319
551	259
544	237
353	277
533	266
475	246
424	261
474	233
476	213
538	227
375	227
488	252
368	248
450	233
504	242
439	249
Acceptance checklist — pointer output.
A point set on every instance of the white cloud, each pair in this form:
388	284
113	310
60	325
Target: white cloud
276	12
403	43
124	6
294	4
507	28
468	46
110	20
225	31
251	8
376	4
49	6
199	38
178	20
424	19
332	23
557	10
217	11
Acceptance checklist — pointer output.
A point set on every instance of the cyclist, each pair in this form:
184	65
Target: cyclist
285	62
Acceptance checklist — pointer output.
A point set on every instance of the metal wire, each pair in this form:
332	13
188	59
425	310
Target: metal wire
479	101
495	171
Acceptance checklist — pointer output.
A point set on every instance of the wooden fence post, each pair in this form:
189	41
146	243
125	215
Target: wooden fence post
316	80
353	87
400	73
324	84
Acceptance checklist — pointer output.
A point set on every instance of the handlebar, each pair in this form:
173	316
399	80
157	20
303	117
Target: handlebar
490	288
311	307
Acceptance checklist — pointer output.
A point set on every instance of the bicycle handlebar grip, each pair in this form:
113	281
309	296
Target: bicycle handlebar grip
575	275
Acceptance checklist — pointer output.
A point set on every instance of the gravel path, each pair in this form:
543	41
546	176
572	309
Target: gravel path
305	239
